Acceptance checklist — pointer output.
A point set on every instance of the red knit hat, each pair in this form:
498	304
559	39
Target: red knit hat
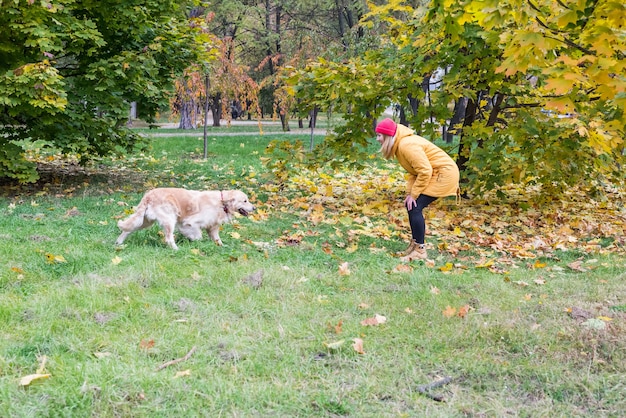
386	127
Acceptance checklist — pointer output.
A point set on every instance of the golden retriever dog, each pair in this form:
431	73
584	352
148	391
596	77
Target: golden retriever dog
190	211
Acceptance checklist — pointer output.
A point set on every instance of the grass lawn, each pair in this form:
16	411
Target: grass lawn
144	331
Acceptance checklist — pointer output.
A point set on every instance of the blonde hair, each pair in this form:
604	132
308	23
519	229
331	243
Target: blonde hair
387	146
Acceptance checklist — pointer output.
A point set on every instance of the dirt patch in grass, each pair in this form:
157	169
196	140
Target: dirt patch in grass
66	179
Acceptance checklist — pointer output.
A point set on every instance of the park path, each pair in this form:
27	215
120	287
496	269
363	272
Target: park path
297	131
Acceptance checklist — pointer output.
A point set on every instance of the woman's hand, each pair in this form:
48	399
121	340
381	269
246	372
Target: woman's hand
409	202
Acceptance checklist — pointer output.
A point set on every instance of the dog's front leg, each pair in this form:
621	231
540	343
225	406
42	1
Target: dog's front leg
190	231
214	233
122	237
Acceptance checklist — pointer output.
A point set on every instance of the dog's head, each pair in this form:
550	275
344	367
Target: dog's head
237	201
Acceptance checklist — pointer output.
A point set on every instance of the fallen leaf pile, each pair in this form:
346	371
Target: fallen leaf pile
496	232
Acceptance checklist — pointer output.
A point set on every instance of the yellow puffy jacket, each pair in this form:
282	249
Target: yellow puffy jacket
431	171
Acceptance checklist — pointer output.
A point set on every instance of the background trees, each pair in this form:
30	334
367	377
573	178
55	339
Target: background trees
541	85
69	70
531	92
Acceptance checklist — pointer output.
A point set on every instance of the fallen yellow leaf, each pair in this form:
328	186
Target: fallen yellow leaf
182	373
486	264
27	380
101	354
447	267
334	345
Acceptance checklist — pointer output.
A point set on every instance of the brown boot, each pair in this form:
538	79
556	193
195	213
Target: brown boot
418	253
408	250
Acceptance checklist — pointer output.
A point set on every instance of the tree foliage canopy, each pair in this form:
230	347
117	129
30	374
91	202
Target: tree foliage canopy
520	65
68	71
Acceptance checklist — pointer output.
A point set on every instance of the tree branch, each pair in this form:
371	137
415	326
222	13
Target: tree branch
563	4
178	360
425	389
565	40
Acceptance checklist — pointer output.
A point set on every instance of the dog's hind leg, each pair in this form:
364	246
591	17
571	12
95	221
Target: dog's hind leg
136	221
168	226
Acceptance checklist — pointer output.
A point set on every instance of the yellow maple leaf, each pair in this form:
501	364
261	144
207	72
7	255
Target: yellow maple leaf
447	267
352	248
116	260
486	264
559	85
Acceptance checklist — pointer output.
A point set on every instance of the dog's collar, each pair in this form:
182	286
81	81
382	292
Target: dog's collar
223	203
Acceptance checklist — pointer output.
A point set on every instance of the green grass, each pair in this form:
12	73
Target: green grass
106	318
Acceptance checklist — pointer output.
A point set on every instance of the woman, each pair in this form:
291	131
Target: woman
432	174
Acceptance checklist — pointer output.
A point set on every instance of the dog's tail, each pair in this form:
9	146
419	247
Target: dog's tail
136	220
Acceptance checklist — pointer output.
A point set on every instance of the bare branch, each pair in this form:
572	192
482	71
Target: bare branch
425	389
178	360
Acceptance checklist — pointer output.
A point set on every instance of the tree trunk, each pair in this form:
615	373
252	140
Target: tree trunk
207	87
457	117
132	115
284	122
312	124
414	103
216	109
187	114
464	149
313	117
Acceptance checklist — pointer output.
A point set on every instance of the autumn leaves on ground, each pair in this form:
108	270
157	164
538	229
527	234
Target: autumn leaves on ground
305	311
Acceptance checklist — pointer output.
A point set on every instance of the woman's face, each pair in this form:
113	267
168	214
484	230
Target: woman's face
380	138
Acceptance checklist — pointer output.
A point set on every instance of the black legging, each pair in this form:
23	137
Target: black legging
416	218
